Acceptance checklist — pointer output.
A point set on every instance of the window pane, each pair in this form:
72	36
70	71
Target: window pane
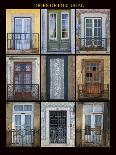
18	108
27	107
17	120
65	25
88	108
98	123
87	124
98	108
52	26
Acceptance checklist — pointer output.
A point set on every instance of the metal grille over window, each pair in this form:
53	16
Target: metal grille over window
58	127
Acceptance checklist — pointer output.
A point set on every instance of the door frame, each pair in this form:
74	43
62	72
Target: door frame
48	75
30	29
93	114
20	113
68	134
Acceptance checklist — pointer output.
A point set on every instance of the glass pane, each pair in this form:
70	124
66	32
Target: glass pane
98	119
17	120
18	107
98	108
28	121
88	108
98	123
65	25
27	25
87	124
27	107
27	124
17	67
18	25
52	26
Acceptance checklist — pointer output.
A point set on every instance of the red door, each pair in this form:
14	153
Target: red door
22	80
93	78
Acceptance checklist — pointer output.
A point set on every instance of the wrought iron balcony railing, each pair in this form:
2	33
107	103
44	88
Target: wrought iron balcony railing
92	137
23	137
23	41
22	91
92	44
92	91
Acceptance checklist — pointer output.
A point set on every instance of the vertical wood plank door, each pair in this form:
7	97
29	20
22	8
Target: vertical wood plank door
56	77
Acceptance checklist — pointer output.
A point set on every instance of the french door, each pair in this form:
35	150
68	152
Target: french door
93	128
22	31
58	126
93	123
93	32
59	30
23	79
56	77
22	133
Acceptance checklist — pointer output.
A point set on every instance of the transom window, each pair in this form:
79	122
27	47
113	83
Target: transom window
22	107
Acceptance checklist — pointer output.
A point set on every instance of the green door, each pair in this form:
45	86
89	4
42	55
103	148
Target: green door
59	30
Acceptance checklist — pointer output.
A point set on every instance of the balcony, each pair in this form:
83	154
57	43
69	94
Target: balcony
23	138
93	92
22	92
92	44
22	42
93	137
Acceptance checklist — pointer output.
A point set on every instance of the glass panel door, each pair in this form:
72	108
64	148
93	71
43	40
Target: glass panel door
93	32
23	79
22	33
58	126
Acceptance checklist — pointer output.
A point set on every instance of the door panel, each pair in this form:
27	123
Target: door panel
93	78
22	33
59	30
93	128
56	78
22	125
58	126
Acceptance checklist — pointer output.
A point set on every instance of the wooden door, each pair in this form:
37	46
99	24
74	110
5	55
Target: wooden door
59	29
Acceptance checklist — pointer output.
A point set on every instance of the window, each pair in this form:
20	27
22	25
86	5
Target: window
93	71
93	116
64	25
93	31
22	124
23	76
52	26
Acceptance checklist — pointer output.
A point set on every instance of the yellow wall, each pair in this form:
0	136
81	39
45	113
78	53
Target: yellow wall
33	12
